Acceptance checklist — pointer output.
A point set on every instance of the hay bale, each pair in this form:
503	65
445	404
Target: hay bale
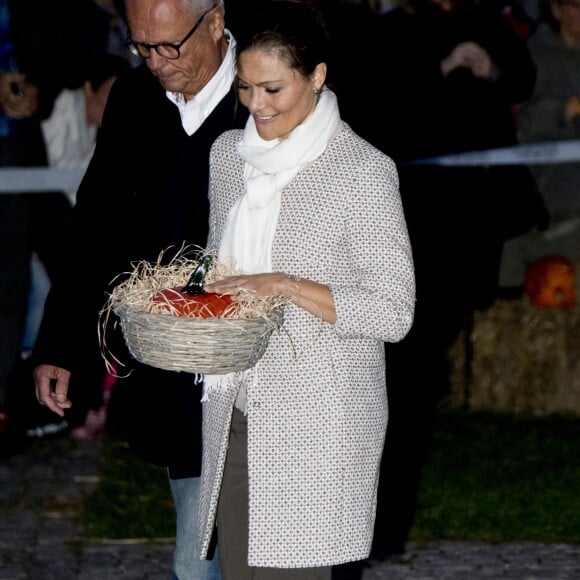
525	360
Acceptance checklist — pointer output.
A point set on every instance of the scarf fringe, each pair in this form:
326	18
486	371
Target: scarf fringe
236	384
214	383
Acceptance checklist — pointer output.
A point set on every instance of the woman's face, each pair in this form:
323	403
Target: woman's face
278	97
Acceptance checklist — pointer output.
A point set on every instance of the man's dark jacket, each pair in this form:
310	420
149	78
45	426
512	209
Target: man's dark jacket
145	191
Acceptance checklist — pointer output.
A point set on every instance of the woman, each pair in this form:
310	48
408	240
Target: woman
307	210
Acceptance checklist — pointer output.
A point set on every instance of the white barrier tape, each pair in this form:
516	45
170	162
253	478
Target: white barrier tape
34	179
528	154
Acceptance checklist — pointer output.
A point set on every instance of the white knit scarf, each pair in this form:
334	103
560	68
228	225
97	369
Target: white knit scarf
270	165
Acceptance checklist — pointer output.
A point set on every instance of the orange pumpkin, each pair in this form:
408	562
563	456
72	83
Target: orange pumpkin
549	282
173	301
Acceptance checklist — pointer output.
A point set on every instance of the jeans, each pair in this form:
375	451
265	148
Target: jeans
186	562
39	287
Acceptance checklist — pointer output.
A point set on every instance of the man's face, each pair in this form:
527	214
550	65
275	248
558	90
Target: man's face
154	22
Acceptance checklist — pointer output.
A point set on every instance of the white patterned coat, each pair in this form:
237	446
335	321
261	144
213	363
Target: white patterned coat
317	414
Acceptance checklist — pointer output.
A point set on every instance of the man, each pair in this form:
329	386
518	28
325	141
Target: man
145	190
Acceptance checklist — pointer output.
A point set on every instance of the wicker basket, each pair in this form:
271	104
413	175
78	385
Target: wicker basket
195	345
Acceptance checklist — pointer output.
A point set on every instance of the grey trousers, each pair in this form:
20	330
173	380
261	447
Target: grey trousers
232	518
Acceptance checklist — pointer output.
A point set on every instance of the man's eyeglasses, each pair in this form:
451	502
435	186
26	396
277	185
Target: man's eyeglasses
164	49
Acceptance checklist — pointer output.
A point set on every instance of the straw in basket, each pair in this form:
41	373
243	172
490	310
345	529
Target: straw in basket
180	343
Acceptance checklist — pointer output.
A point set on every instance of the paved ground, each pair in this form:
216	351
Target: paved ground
41	492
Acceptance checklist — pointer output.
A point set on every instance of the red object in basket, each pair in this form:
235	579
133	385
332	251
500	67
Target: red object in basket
205	305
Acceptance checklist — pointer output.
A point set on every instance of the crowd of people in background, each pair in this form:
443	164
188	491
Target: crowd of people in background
417	79
57	62
552	114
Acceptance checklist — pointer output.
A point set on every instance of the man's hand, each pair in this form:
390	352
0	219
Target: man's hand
18	98
52	387
473	57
